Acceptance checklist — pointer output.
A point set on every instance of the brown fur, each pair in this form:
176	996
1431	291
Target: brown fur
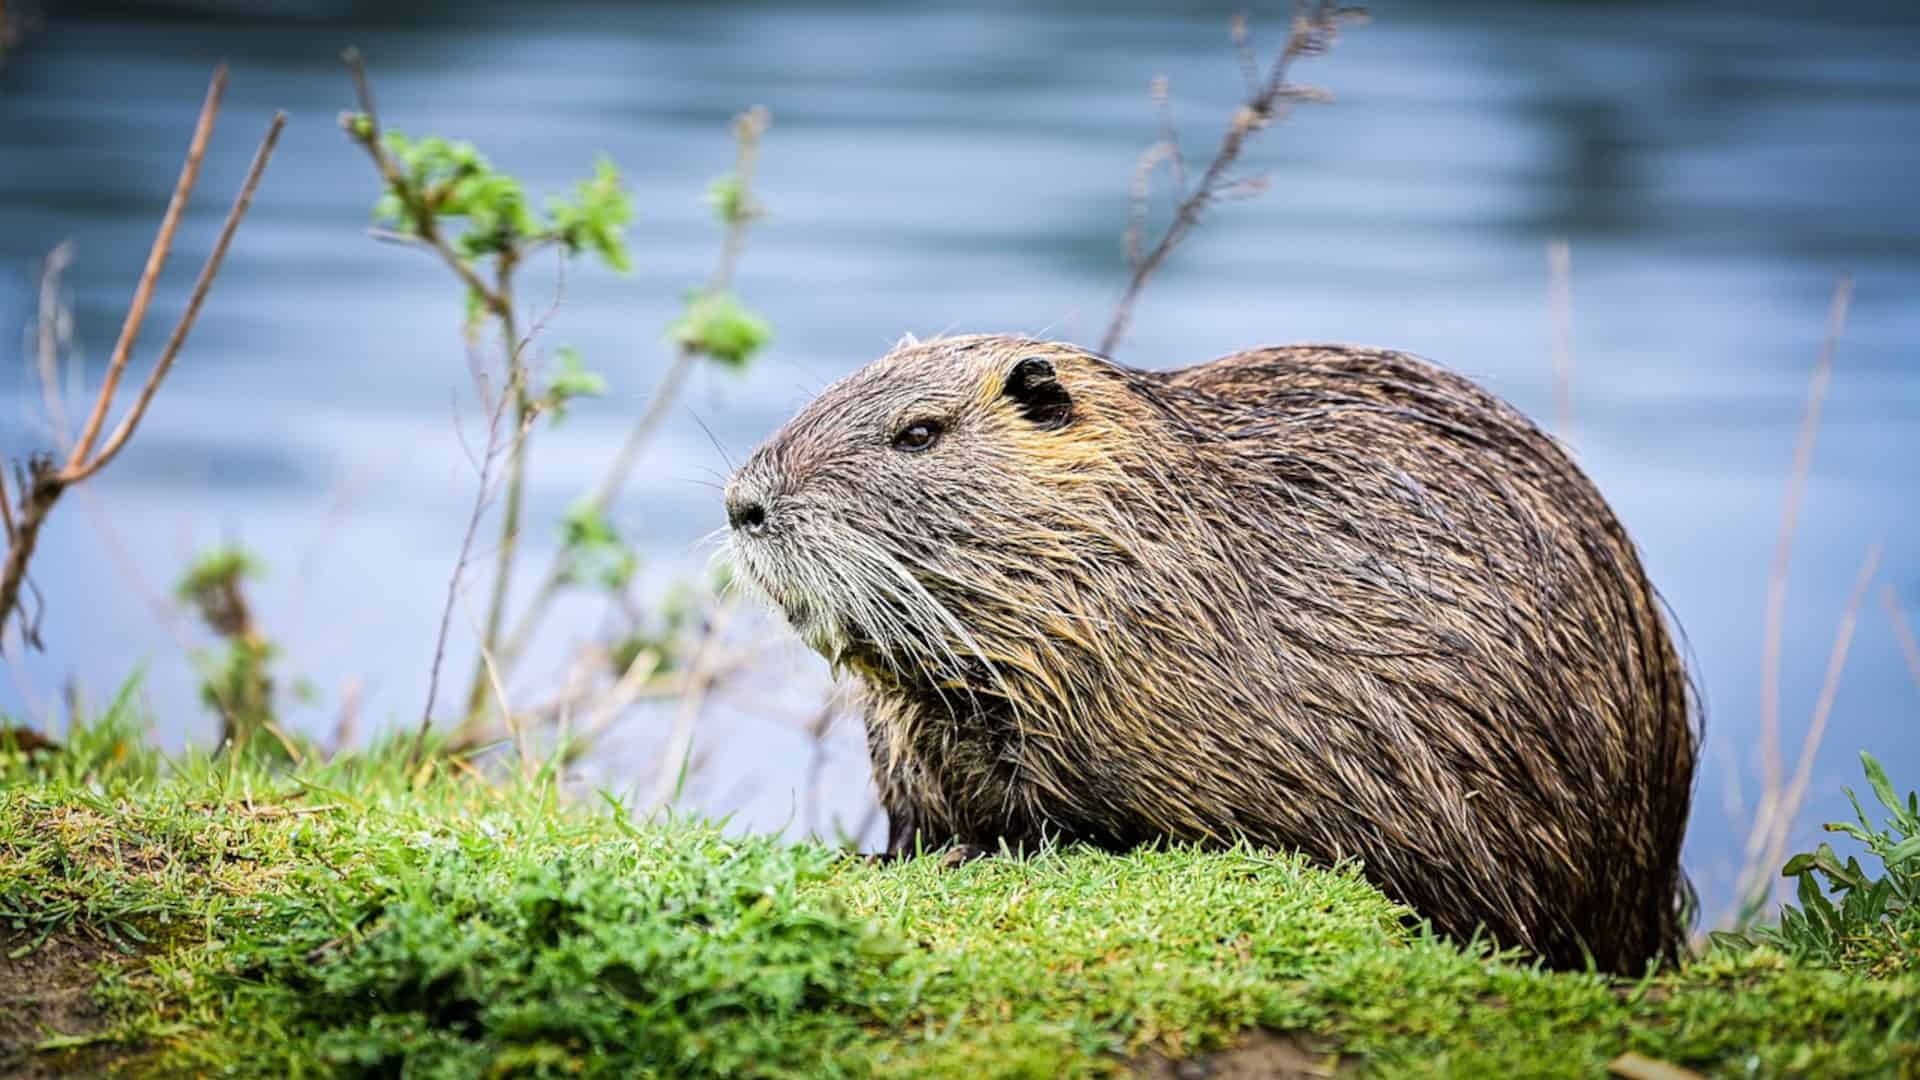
1318	597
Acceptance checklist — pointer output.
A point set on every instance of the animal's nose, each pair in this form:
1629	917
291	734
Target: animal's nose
746	514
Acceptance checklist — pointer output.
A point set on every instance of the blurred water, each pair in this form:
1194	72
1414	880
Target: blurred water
936	168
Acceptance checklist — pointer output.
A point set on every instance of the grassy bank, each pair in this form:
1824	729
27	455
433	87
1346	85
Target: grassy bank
350	917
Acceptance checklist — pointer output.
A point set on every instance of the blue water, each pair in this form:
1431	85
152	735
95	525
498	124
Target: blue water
952	167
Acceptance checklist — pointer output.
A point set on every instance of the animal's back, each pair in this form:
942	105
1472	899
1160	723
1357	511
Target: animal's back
1488	707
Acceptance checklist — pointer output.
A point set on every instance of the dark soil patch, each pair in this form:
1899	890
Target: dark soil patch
1263	1055
46	994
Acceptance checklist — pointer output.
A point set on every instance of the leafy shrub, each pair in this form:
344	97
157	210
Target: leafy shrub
1847	917
502	951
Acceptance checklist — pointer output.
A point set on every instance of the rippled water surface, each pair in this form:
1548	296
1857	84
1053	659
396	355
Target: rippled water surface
946	168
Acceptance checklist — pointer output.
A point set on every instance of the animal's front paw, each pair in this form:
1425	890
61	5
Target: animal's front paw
960	854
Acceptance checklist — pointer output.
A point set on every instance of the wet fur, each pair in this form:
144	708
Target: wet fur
1318	597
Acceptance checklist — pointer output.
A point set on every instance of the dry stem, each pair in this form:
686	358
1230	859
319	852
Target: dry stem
1315	28
156	258
1776	615
42	482
201	286
1775	818
509	544
1909	648
482	497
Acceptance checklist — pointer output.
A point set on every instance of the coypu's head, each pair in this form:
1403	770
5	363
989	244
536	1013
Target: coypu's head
910	521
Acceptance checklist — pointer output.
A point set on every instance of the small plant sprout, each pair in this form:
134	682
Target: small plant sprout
238	683
1847	917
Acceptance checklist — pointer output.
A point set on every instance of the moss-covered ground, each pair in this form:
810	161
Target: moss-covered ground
357	917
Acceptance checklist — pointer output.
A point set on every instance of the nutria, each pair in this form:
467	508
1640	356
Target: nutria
1319	597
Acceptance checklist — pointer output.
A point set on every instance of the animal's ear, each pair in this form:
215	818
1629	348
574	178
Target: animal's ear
1037	392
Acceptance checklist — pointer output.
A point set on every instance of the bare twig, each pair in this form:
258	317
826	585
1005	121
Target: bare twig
1909	648
7	528
1776	615
1560	280
1775	820
525	410
1315	28
156	258
514	728
509	546
241	203
748	128
482	497
630	687
42	482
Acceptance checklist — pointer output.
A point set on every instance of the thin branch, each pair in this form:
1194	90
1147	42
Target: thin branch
524	752
241	203
628	689
1315	28
748	128
1776	614
42	482
1909	648
525	412
368	136
482	497
509	546
156	258
1775	820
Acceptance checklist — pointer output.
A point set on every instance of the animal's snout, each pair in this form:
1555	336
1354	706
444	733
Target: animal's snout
749	503
746	514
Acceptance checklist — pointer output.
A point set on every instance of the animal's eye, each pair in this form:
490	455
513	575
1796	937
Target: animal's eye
917	436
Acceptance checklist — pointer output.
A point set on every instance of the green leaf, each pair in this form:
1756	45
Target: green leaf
1901	853
594	551
223	567
716	326
596	217
570	380
728	197
1882	788
1725	939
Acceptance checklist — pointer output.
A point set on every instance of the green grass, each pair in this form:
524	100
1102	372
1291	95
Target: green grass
349	918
